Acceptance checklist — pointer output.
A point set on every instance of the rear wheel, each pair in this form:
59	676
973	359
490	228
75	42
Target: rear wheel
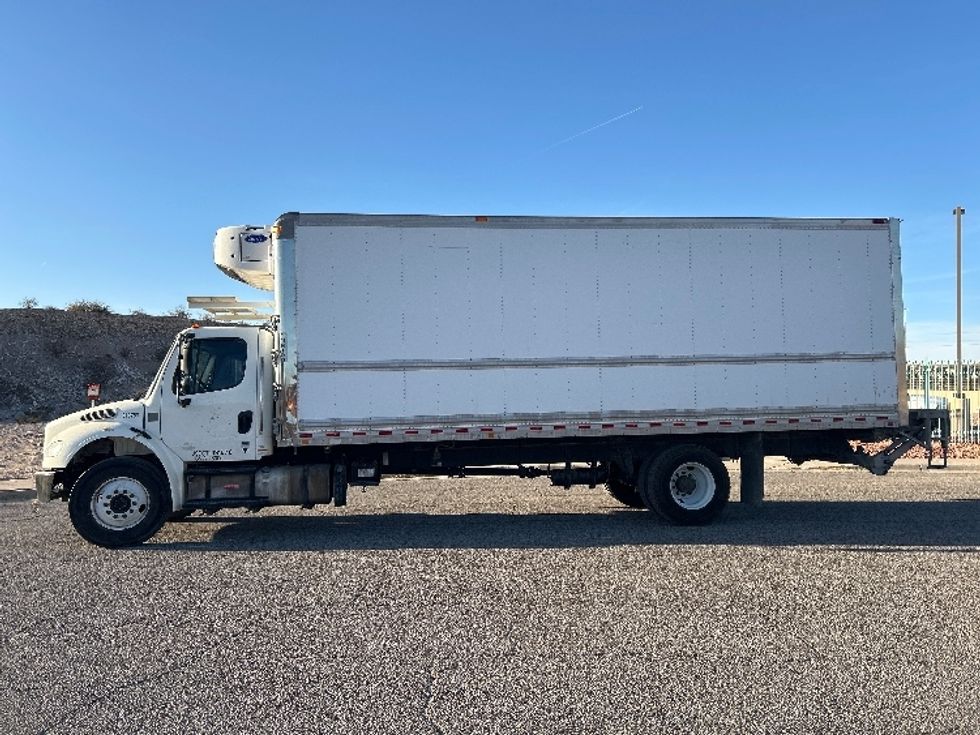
687	484
625	493
119	502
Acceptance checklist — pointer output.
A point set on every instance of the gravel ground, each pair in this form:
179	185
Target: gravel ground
846	604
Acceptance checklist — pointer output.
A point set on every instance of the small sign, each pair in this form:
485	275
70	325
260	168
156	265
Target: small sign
93	391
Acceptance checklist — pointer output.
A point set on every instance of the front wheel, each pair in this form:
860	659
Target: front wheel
687	484
119	502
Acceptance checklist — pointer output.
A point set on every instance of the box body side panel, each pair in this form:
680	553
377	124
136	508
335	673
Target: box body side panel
403	326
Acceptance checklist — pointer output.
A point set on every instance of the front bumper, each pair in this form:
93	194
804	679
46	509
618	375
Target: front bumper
44	484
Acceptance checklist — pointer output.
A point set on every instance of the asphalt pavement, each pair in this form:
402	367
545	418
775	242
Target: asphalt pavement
846	604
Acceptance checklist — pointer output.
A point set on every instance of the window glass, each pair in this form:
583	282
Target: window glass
213	364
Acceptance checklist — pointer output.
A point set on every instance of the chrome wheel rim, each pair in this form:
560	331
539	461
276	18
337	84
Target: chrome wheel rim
692	486
120	503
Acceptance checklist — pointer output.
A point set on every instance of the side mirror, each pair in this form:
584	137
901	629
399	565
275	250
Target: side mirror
184	383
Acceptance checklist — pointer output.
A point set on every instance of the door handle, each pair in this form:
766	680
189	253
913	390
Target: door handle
244	422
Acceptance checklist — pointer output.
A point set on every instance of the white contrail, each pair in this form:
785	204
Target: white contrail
594	127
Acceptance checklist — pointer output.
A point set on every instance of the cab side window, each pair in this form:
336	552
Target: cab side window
214	364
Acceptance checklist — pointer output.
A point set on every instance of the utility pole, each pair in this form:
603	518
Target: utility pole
958	386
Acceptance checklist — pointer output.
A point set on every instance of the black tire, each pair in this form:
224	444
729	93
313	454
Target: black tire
119	502
687	485
625	493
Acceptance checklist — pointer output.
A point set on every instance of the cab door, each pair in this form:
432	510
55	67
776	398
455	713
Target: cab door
210	413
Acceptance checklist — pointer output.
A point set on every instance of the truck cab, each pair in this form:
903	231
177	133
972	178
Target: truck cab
125	463
210	400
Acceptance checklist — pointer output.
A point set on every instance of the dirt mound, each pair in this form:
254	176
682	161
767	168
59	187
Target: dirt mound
47	356
20	450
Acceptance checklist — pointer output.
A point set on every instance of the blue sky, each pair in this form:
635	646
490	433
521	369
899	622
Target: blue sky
130	131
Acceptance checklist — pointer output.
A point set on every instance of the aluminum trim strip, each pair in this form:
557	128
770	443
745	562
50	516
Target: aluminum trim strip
496	363
512	431
898	308
286	358
473	420
309	219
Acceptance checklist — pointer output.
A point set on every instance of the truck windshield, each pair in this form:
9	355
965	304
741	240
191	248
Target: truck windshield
213	364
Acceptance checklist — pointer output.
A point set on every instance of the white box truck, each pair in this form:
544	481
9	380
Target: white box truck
632	352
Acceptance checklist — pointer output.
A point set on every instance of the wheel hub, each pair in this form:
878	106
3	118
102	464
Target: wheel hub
692	486
120	503
686	484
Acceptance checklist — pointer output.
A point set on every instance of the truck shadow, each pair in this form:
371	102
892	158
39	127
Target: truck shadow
952	525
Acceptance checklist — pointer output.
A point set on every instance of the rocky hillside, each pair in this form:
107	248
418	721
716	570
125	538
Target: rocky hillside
47	356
